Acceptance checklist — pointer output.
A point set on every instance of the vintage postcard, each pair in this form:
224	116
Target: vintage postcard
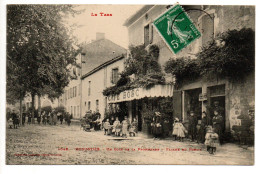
130	84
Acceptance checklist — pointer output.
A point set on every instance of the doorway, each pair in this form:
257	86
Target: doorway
217	96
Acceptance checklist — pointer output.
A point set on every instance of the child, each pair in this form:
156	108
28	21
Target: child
106	126
116	127
181	131
175	128
133	128
10	123
211	140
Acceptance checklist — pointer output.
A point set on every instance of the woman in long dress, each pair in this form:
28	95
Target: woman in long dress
124	127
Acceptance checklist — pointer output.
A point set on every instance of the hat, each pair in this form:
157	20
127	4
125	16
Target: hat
157	113
177	119
209	129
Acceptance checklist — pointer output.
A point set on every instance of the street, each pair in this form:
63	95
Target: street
61	144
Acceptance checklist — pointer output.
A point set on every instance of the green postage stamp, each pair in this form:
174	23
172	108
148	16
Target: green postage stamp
176	28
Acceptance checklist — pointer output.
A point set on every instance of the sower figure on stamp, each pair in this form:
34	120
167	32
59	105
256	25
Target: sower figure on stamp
183	36
192	126
218	125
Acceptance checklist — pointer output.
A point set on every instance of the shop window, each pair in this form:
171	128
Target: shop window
115	75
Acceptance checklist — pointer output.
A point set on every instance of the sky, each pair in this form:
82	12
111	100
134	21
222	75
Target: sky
112	26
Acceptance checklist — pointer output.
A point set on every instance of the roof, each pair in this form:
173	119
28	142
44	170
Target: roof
98	53
137	15
102	66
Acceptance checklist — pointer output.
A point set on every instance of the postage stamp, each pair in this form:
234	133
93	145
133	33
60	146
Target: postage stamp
176	28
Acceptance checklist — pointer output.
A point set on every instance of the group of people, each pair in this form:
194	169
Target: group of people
13	120
209	130
117	128
91	120
50	118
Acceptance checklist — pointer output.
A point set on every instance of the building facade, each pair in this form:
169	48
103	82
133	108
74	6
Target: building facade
80	90
200	95
94	82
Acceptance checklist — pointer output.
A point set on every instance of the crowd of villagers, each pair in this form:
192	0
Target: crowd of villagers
46	117
111	125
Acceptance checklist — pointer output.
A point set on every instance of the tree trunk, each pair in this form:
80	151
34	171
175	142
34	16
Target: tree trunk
33	96
21	109
39	105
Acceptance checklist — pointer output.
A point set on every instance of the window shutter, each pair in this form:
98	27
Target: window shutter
111	76
151	33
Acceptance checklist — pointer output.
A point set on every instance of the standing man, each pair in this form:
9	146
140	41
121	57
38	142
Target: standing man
218	125
23	118
192	126
218	108
55	119
15	119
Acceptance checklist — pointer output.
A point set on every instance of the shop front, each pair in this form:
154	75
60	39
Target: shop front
201	97
141	104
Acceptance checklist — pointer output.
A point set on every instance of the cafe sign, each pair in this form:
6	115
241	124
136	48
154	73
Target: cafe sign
138	93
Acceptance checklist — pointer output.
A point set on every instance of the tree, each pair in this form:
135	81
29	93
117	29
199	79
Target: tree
39	48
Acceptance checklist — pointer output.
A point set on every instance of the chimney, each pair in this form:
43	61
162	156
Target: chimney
100	36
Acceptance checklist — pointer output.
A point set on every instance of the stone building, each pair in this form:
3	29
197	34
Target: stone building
93	54
235	98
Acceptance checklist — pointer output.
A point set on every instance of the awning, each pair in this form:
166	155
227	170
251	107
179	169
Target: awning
139	93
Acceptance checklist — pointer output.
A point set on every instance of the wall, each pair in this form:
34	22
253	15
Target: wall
73	102
99	81
241	98
225	18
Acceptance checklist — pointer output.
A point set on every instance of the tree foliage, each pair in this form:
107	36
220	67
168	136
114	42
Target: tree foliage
39	48
144	66
231	56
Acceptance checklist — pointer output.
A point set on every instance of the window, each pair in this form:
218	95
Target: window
97	105
89	105
75	111
78	111
89	88
74	72
115	75
75	91
206	25
146	35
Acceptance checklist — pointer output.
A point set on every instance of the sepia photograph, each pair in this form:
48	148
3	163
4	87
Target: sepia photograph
139	84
